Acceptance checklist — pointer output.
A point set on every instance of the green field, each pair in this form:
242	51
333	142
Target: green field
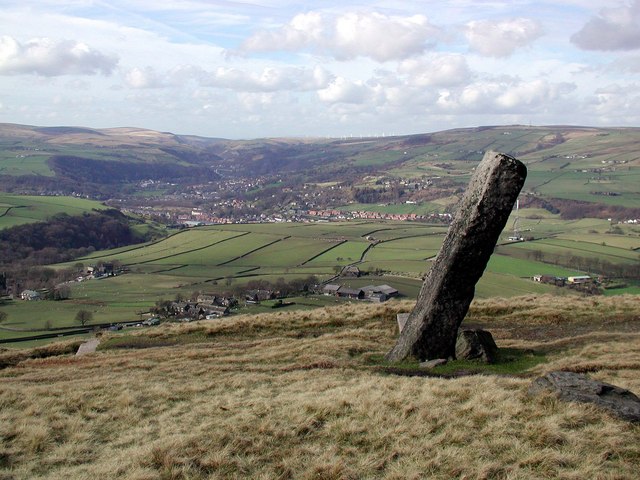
20	209
31	163
216	258
576	164
417	208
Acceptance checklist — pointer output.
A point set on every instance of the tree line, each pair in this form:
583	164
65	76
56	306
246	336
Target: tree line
25	249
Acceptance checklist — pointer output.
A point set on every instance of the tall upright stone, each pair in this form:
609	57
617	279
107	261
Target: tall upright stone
447	291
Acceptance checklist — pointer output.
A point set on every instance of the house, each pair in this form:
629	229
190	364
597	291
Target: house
376	297
355	293
30	295
579	279
180	307
350	271
330	289
207	299
387	290
379	293
550	279
257	296
216	312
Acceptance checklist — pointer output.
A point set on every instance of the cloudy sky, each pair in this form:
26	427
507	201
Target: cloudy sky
264	68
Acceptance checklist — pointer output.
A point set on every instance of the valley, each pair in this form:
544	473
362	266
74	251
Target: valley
279	211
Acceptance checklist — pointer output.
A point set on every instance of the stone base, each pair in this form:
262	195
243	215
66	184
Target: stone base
476	344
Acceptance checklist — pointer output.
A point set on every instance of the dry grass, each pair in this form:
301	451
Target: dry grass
292	395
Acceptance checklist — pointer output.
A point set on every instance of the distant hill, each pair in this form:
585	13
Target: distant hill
97	161
599	165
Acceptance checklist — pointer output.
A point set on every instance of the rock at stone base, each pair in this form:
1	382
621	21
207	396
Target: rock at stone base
433	363
476	344
577	387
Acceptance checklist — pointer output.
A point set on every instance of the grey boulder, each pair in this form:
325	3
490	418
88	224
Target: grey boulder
577	387
476	344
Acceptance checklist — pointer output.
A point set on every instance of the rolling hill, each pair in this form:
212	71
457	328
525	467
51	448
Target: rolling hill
598	165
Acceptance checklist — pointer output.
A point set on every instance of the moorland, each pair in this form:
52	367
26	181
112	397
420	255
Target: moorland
307	395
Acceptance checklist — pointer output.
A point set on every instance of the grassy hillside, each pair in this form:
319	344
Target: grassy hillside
219	258
20	209
305	395
597	165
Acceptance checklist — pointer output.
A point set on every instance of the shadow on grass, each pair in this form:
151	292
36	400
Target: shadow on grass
510	361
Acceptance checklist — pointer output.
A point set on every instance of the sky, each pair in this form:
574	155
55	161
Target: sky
280	68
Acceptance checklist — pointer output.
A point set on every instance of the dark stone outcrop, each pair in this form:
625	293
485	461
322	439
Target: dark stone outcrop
577	387
432	326
476	344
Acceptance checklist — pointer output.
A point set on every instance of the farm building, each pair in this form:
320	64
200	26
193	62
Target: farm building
550	279
215	312
356	293
374	293
30	295
379	293
350	271
257	296
579	279
330	289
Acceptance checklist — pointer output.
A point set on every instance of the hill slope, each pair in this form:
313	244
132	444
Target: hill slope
577	163
304	395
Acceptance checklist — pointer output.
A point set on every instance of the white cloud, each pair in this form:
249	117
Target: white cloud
438	71
506	96
349	36
532	94
49	58
501	38
616	100
256	102
342	90
614	29
269	79
629	64
142	78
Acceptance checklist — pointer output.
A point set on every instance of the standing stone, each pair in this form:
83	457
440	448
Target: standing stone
447	292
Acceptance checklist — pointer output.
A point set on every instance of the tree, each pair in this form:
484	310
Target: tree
3	316
83	317
62	292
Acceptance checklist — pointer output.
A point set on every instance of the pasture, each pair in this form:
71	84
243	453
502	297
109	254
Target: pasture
220	258
20	209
